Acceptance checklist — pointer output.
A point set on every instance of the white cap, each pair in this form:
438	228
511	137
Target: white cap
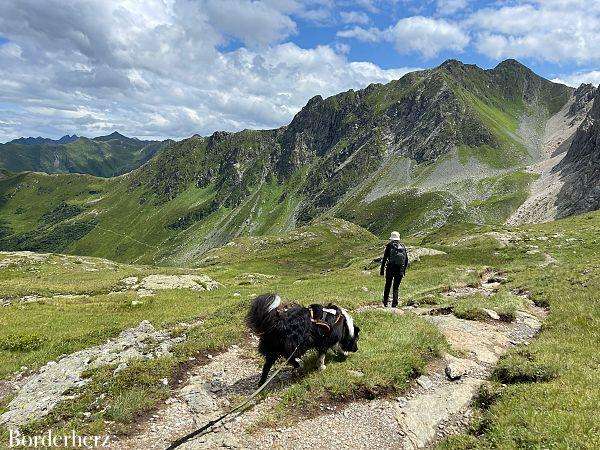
395	236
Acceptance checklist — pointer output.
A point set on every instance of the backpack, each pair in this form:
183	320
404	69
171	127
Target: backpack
398	255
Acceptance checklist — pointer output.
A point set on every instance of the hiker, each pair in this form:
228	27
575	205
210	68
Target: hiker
394	263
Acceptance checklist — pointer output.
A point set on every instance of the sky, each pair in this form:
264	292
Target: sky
173	68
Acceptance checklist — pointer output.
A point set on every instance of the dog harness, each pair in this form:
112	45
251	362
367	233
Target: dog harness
318	317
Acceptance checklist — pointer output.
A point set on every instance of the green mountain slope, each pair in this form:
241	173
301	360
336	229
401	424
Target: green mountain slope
103	156
440	148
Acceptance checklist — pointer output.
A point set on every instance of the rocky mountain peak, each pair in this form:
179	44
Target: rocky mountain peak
342	139
113	135
317	99
513	65
67	139
30	140
586	89
583	95
451	64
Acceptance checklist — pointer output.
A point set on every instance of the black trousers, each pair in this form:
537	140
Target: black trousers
392	280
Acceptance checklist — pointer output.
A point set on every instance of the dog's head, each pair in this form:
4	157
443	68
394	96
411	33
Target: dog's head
349	340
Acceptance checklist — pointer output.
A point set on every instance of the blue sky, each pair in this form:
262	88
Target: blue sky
383	54
172	68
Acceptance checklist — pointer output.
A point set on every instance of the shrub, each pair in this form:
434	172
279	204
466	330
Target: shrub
61	212
20	343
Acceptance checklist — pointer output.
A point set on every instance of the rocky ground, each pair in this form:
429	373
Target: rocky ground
34	391
148	285
39	392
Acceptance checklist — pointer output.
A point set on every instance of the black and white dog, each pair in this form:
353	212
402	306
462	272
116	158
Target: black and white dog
284	329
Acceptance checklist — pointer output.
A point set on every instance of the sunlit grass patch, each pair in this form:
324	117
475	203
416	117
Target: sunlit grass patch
33	333
473	307
520	366
552	386
458	442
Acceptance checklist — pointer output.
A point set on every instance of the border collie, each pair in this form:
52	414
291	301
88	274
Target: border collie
285	328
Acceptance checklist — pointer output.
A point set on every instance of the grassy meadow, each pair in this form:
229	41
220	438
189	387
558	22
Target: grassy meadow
544	394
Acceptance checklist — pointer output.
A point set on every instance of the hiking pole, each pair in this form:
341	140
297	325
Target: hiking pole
203	430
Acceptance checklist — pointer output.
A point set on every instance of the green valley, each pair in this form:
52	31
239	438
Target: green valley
449	146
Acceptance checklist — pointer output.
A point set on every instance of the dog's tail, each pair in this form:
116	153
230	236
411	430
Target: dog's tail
261	317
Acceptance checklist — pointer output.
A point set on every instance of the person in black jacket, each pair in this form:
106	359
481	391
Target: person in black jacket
394	263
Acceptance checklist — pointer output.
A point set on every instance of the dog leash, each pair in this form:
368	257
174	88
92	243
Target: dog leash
206	428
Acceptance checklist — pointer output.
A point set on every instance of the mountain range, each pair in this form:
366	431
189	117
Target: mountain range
103	156
447	148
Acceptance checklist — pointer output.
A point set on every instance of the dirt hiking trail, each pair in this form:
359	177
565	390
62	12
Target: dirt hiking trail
436	405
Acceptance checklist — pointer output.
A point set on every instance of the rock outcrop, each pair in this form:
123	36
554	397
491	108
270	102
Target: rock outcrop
580	169
43	390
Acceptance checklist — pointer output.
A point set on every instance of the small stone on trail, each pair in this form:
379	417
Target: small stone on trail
456	367
493	314
425	382
130	282
491	285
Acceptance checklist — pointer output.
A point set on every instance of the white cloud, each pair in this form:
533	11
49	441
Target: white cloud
157	69
368	5
342	48
449	7
362	34
252	22
549	30
427	36
578	78
419	34
354	17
